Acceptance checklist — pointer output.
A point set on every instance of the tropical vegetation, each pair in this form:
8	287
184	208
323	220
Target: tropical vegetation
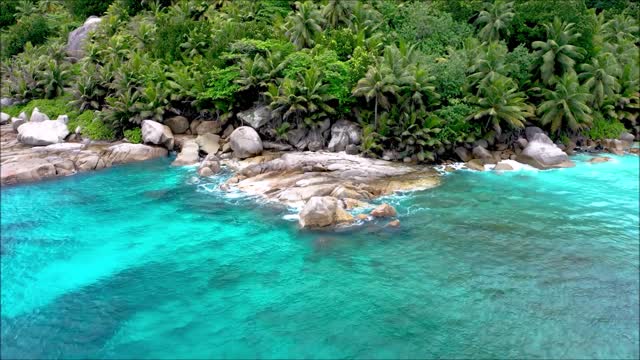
420	77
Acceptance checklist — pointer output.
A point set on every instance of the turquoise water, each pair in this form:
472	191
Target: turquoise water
141	261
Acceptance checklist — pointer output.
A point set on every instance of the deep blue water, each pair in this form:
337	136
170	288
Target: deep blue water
141	261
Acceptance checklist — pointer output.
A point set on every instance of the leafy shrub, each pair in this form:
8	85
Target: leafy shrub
520	60
84	8
7	12
455	127
221	88
51	107
604	129
134	135
451	75
434	31
33	29
297	63
91	126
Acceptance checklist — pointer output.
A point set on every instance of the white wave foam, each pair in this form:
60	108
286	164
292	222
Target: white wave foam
291	217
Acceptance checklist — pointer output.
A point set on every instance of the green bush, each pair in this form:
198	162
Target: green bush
133	135
82	9
7	12
604	129
456	128
33	29
51	107
91	126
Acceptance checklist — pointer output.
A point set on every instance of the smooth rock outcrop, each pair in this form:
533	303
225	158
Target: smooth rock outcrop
270	145
483	154
188	155
42	133
6	101
78	37
177	124
155	133
531	131
542	153
209	143
4	118
293	178
245	142
25	163
475	164
384	210
599	159
256	117
343	134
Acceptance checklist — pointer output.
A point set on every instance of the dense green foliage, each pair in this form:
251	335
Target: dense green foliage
420	77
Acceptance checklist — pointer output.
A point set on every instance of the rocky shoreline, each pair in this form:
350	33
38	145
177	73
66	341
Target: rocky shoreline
325	184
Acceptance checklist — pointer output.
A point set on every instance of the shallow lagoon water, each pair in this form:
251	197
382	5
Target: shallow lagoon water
145	261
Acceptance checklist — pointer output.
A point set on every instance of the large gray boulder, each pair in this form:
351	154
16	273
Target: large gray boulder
343	134
37	116
188	155
155	133
245	142
209	166
126	153
208	127
542	153
298	138
208	143
531	131
42	133
6	101
4	118
256	117
177	124
463	153
78	37
483	154
16	122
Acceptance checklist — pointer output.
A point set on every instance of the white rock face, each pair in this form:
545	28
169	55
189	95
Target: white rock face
4	118
78	37
245	142
37	116
155	133
42	133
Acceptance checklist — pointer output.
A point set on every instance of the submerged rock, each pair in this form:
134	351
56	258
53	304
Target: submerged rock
599	159
384	210
209	166
394	223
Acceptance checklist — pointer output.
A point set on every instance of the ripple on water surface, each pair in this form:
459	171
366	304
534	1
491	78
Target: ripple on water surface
147	260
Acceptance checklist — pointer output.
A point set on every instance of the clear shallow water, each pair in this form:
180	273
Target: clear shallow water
140	261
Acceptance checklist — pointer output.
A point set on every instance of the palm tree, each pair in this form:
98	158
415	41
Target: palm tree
488	65
252	73
566	105
558	55
307	96
377	84
496	19
303	25
499	101
54	78
600	78
336	12
421	92
620	28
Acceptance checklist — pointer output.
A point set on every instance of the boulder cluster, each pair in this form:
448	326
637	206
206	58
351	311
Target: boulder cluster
534	148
